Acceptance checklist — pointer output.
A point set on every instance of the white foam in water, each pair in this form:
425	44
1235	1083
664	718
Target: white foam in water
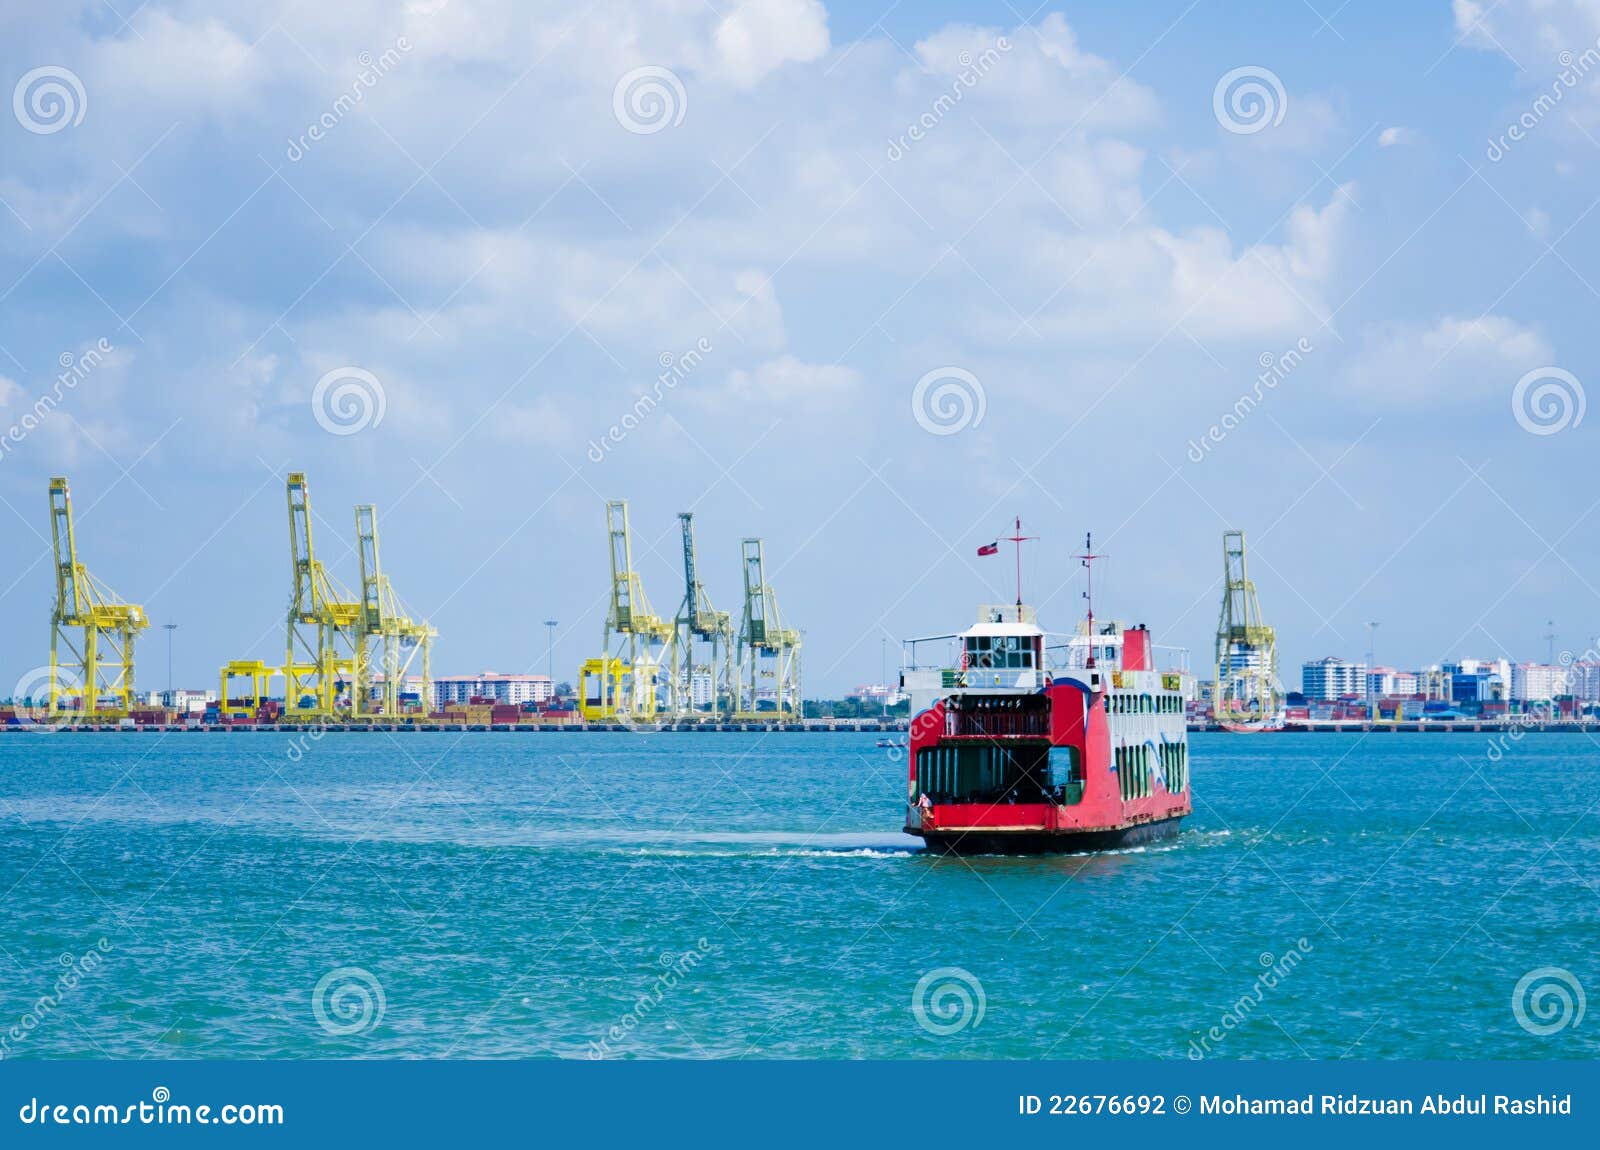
800	844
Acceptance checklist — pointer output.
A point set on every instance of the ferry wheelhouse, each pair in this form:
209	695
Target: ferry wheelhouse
1028	742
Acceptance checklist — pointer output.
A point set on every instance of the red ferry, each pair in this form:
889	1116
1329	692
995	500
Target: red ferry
1010	755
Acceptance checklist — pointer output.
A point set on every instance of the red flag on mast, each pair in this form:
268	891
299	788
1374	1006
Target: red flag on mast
990	548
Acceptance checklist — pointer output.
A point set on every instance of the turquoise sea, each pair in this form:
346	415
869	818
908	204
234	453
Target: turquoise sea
747	895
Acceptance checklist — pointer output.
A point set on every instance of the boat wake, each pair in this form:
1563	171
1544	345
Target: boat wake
780	844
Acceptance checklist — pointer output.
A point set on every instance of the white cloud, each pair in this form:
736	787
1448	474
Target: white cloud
1035	75
199	66
760	35
1390	137
787	383
1146	281
1454	362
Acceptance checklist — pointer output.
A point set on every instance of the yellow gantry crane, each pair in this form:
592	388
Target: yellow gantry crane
769	654
384	619
1247	689
697	620
324	626
626	675
96	628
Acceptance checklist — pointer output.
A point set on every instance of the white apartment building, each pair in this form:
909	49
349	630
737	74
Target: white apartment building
505	690
1333	677
1537	682
1583	681
1384	681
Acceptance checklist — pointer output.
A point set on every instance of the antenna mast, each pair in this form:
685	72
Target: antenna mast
1017	540
1088	558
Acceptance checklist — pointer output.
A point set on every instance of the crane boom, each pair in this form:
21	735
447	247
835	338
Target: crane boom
384	618
1247	687
323	622
698	620
93	627
767	649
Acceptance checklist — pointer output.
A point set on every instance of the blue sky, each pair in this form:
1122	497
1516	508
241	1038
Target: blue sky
508	249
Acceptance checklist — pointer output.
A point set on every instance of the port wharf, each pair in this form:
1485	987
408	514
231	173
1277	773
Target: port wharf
380	727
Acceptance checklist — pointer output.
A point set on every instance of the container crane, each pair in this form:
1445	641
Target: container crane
626	674
384	619
1248	694
95	627
768	652
698	620
324	624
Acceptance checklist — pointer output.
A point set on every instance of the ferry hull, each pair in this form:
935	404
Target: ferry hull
1001	842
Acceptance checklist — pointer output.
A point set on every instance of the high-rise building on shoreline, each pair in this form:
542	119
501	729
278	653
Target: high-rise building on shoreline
1332	678
507	690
